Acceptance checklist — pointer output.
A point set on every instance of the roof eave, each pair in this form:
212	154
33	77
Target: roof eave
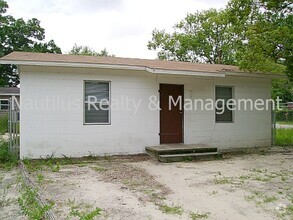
257	75
112	66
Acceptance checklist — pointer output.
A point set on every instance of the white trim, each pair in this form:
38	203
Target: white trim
256	75
183	72
9	94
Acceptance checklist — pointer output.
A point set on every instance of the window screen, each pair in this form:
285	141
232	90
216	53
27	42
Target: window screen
224	93
97	102
4	104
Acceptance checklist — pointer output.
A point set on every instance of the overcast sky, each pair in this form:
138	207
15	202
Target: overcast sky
122	26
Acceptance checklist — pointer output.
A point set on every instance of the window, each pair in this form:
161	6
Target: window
96	102
224	114
4	104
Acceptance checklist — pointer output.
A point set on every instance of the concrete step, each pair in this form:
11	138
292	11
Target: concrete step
179	150
189	157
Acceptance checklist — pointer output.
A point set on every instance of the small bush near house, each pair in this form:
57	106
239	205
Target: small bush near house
284	137
4	124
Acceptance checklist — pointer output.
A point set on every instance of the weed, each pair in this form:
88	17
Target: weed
40	178
55	168
223	180
30	205
82	215
174	210
196	215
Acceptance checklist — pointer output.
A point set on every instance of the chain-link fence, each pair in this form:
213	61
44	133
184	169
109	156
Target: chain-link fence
9	126
282	126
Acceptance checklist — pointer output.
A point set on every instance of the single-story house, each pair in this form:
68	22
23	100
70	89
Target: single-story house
7	93
57	91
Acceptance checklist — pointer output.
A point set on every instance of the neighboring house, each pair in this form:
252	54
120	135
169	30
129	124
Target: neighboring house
55	118
6	93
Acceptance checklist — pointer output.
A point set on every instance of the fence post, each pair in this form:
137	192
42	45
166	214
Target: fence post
273	127
10	125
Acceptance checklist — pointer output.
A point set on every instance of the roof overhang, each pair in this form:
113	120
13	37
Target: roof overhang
142	68
112	66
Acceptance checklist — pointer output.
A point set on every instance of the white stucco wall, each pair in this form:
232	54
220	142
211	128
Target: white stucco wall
46	130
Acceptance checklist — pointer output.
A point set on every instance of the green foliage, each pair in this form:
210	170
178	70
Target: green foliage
200	37
284	137
85	215
283	89
30	205
256	35
85	50
7	159
20	35
4	124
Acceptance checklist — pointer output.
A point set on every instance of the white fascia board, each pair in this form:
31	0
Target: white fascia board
63	64
9	94
257	75
184	73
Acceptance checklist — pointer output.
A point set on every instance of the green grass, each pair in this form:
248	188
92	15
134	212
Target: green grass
284	137
285	122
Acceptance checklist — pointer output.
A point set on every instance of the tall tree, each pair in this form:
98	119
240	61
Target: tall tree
20	35
266	30
200	37
86	50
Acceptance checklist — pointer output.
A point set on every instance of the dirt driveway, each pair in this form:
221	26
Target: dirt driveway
254	186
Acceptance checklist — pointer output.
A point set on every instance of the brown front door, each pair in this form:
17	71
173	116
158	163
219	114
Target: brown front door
171	120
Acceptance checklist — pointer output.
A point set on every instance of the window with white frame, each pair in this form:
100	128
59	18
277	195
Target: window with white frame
96	102
4	104
223	113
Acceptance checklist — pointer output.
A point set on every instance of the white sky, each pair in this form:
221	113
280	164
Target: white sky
122	26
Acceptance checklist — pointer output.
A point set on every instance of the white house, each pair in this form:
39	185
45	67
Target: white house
56	118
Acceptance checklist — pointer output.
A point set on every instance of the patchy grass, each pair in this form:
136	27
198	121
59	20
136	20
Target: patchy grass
82	210
173	210
284	137
83	215
223	180
99	168
196	215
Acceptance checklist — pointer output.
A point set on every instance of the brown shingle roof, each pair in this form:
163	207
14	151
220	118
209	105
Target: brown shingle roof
154	64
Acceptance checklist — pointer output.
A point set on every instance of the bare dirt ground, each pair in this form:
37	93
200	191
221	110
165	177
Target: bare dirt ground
9	208
254	186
